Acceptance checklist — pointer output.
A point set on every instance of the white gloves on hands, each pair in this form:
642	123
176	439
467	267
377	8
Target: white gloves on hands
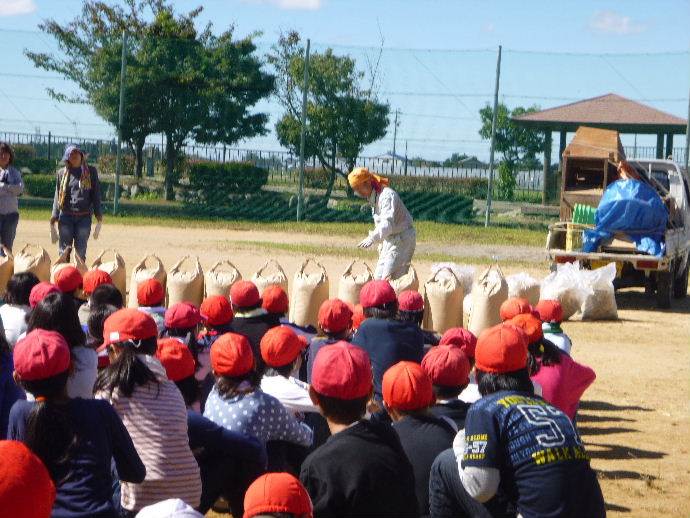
366	243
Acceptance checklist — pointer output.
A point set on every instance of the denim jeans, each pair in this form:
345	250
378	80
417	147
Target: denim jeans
8	229
74	231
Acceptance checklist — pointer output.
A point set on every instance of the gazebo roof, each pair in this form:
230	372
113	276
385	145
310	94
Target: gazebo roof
610	111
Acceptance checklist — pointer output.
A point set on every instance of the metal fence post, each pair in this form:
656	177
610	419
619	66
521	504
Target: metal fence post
118	159
50	135
305	89
489	194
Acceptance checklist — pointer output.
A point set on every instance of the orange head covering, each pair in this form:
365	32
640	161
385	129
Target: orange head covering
361	175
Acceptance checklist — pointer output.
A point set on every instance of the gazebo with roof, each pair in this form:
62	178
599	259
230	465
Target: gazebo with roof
610	111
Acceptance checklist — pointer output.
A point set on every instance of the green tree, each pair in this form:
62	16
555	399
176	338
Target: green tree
517	145
454	160
343	115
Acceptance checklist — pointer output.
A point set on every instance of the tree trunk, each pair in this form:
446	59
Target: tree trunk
348	190
331	180
170	153
139	158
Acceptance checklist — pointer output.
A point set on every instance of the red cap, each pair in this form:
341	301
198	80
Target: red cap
26	489
502	348
150	293
280	346
462	338
447	366
335	316
231	355
550	311
41	291
216	310
407	387
41	354
244	294
513	307
182	315
410	300
358	316
275	300
277	493
376	293
176	358
128	324
94	278
342	370
68	279
531	325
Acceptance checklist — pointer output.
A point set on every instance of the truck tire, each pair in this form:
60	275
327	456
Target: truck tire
664	288
680	286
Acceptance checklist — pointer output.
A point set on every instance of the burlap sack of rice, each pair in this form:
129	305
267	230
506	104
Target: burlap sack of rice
442	301
309	291
115	267
490	290
186	284
351	283
463	272
6	270
220	278
34	259
144	270
408	281
270	273
524	286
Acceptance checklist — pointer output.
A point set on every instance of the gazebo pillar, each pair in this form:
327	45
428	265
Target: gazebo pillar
659	145
669	145
547	168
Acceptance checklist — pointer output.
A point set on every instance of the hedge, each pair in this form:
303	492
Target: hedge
106	164
214	183
39	185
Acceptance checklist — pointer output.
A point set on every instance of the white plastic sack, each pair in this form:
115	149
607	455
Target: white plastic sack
463	272
524	286
564	285
599	302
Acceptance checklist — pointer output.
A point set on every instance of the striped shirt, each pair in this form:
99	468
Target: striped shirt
259	415
156	418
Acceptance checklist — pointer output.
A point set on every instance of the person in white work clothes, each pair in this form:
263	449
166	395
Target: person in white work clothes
393	232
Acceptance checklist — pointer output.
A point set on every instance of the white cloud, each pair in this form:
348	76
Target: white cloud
612	22
16	7
303	5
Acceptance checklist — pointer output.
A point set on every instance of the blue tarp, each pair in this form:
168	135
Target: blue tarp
633	208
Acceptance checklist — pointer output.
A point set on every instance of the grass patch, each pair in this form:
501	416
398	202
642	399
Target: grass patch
427	231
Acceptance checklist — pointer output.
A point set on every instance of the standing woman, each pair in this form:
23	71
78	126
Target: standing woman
393	227
11	186
77	198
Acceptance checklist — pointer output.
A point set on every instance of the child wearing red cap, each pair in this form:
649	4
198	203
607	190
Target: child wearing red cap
562	380
26	490
276	303
550	312
514	444
335	323
56	312
251	319
281	350
407	396
152	409
362	469
216	317
277	494
182	322
94	336
16	308
69	281
92	280
228	460
75	438
151	300
513	307
449	369
236	401
466	341
386	339
411	309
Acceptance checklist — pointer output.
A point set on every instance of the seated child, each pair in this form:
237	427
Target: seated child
551	314
277	495
92	280
335	321
94	337
466	341
251	320
14	311
513	307
151	300
411	309
69	281
276	303
407	396
25	483
216	316
449	369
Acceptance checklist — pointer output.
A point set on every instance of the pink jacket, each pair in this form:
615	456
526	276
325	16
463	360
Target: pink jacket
564	383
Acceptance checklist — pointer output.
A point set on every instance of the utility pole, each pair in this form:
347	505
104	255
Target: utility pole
687	139
305	89
405	158
120	118
487	216
395	137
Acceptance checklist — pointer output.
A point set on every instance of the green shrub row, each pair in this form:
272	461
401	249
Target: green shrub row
39	185
215	183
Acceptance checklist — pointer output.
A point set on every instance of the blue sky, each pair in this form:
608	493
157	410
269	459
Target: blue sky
423	72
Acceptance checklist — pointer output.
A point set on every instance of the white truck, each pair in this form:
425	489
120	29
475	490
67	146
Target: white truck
589	166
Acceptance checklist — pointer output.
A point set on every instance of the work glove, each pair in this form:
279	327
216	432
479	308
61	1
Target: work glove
366	243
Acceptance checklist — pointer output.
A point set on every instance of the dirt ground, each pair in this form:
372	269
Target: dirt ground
634	419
